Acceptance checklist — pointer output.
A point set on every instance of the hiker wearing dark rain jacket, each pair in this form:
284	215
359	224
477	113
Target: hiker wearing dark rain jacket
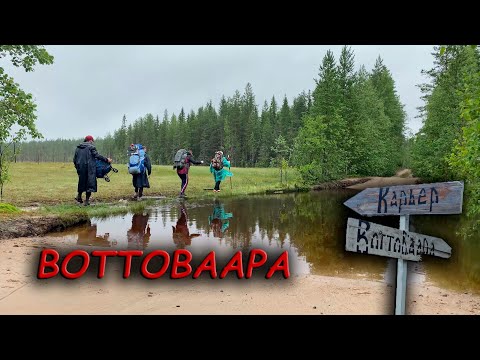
85	164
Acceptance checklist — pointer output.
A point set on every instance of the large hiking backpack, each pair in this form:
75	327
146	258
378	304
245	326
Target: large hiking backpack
103	168
136	160
217	161
180	158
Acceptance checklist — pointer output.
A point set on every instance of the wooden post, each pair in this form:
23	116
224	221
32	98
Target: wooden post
402	264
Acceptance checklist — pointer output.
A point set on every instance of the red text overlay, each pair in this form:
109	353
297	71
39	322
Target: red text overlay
177	266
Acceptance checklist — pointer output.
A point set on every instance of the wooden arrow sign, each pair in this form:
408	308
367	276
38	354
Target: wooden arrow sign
421	199
369	238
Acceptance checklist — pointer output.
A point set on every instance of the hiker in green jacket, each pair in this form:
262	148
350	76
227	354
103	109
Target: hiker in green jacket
218	168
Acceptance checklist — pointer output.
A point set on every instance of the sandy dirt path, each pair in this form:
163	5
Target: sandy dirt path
22	293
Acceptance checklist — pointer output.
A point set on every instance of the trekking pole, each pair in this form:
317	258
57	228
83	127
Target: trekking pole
230	176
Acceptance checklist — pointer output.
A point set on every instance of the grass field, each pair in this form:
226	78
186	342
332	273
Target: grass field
56	183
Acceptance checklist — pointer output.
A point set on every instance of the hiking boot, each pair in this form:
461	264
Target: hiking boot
135	196
87	203
79	200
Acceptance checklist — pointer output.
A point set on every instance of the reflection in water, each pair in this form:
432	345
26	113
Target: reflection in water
310	226
138	235
462	270
181	233
88	236
218	220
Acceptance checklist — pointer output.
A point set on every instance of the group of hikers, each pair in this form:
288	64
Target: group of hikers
90	165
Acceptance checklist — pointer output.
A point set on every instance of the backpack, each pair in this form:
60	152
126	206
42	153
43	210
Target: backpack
103	168
136	161
179	159
217	161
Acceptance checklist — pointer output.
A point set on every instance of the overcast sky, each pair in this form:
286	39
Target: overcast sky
88	89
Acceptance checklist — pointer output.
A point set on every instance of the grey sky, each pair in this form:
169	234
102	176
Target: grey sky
88	89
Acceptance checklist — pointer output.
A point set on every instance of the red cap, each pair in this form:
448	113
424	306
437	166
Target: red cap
88	138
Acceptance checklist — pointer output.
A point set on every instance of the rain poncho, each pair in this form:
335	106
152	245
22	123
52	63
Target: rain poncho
220	175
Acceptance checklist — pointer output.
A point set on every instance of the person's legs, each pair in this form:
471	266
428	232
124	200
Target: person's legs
79	198
184	178
87	201
217	186
181	179
140	192
134	183
82	184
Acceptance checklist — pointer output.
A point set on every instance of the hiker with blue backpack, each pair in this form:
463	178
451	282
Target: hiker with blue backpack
85	161
181	161
140	167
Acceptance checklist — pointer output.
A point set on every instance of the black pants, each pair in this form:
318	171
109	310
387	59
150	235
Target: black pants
217	185
88	194
184	178
139	191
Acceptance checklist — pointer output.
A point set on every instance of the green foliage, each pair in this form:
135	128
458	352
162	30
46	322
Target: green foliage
282	152
4	167
465	156
371	131
17	109
309	154
8	209
356	121
442	113
393	109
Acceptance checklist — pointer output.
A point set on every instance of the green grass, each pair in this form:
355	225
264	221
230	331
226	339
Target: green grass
98	211
55	184
8	209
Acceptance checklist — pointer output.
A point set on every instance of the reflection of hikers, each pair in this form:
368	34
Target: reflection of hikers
181	234
85	163
218	221
218	168
139	233
141	169
88	237
182	161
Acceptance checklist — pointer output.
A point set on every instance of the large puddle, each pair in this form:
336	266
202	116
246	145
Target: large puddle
311	227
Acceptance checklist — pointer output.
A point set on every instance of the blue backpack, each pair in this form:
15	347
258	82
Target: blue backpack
103	168
136	161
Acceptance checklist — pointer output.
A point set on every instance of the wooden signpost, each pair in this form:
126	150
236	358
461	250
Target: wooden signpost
370	238
423	199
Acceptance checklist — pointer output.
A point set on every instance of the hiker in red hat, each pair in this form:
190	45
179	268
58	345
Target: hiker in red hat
85	163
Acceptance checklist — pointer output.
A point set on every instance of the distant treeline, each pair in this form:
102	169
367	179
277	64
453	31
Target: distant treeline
352	123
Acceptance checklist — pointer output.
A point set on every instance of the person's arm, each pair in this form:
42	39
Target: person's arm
193	161
148	165
226	162
96	155
75	158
